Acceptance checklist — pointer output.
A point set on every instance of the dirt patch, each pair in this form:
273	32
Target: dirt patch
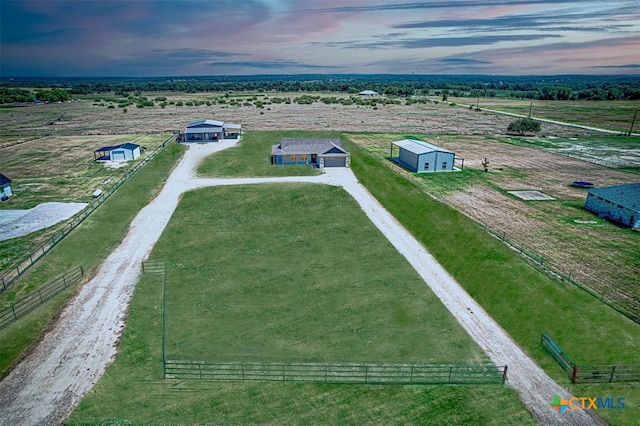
531	195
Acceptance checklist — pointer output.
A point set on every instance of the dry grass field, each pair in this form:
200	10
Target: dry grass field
88	118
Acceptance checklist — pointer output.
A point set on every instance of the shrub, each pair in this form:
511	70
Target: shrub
524	125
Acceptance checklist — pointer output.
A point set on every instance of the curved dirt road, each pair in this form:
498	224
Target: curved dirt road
50	382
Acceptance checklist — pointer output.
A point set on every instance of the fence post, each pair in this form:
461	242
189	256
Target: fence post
450	370
325	373
200	370
13	308
242	369
574	373
64	280
411	375
366	374
613	373
504	374
40	295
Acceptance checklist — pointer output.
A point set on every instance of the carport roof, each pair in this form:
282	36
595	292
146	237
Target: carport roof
419	147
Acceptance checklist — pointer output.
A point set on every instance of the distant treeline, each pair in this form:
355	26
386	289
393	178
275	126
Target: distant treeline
565	87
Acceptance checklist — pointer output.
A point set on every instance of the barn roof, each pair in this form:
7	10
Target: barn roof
126	145
368	93
627	196
419	147
330	147
4	180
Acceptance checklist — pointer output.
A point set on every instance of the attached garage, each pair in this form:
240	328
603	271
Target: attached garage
335	162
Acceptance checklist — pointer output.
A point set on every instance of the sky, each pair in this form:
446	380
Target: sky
144	38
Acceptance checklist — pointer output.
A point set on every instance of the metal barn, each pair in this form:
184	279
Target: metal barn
124	152
422	157
620	203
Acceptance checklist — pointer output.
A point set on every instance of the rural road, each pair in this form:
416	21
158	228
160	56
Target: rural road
48	384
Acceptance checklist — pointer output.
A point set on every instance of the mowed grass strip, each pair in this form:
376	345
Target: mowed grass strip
213	264
252	157
87	245
523	300
271	273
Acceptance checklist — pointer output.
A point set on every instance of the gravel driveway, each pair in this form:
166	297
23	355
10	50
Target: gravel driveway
47	385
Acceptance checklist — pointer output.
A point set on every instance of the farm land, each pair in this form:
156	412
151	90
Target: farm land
460	133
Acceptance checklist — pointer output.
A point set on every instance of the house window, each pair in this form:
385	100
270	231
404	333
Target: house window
444	165
426	166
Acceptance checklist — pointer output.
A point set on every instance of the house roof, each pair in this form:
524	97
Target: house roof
4	180
232	126
628	196
205	123
126	145
325	147
419	147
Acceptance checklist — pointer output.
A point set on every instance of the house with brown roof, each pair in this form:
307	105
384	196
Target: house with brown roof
317	152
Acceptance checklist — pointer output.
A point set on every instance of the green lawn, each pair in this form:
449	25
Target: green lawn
250	278
87	245
523	300
296	273
252	157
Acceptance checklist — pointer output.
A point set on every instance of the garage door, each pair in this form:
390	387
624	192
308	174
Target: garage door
335	162
117	156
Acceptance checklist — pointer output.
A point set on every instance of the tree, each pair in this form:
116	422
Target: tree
524	125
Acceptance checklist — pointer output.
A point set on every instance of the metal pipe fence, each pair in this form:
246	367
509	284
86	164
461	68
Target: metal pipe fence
28	261
407	374
602	373
45	292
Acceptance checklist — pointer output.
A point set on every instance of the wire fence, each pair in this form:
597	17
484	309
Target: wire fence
28	261
407	374
616	298
45	292
600	373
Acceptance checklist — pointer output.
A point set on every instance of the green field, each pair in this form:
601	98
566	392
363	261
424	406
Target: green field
296	273
268	287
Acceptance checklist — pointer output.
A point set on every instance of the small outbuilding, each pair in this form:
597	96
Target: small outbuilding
125	152
317	152
619	204
368	93
209	131
422	157
5	186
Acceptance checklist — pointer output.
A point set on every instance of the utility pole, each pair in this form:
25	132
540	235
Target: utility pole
530	106
633	122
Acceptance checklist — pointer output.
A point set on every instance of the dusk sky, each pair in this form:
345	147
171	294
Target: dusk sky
61	38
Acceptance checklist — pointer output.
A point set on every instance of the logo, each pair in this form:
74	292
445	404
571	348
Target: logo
559	404
584	403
